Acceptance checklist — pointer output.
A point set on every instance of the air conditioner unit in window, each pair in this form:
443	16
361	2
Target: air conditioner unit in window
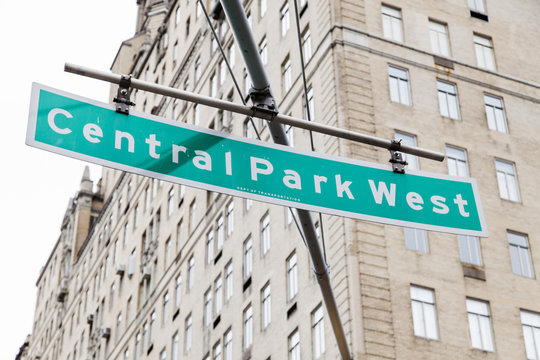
90	319
120	269
146	273
131	265
106	332
62	291
39	354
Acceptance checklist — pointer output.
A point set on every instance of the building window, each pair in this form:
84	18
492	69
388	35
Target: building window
207	314
294	345
168	253
196	115
263	6
423	312
438	35
416	239
457	161
228	281
163	355
227	341
218	295
220	232
152	332
391	21
165	308
192	210
178	291
480	325
266	306
292	276
216	350
118	328
285	18
213	85
177	16
448	103
210	246
263	50
232	55
175	346
188	333
248	327
477	5
179	234
230	218
222	72
197	70
175	52
306	44
176	109
469	250
520	254
410	140
530	323
286	74
265	234
191	272
507	180
483	47
310	105
399	85
317	328
248	257
495	113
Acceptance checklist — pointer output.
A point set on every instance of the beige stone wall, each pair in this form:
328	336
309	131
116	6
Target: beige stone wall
371	268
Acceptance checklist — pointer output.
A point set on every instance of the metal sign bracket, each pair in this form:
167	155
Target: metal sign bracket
396	158
122	96
263	101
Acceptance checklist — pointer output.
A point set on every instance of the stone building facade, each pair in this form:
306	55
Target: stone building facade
145	269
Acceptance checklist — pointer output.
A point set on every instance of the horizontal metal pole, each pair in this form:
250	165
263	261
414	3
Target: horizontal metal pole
249	111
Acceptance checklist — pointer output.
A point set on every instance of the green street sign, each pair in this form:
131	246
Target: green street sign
149	145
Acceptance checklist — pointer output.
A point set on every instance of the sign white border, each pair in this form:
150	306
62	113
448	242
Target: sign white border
31	129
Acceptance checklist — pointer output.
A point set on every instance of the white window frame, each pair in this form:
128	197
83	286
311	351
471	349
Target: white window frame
483	48
398	82
210	246
495	115
218	295
448	99
480	331
207	306
317	330
438	36
285	18
424	313
470	251
520	254
292	276
228	281
416	239
248	326
507	180
266	306
410	140
456	159
306	44
188	333
265	234
227	341
263	50
230	218
286	74
530	323
477	5
392	23
248	257
294	345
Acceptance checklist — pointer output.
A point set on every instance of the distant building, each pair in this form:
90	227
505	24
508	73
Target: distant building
145	269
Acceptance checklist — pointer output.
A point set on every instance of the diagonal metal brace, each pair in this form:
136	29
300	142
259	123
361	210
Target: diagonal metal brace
396	158
122	96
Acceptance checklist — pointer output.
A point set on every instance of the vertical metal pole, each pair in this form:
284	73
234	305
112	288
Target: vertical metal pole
242	33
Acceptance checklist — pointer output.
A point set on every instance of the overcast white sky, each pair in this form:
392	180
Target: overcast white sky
37	38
